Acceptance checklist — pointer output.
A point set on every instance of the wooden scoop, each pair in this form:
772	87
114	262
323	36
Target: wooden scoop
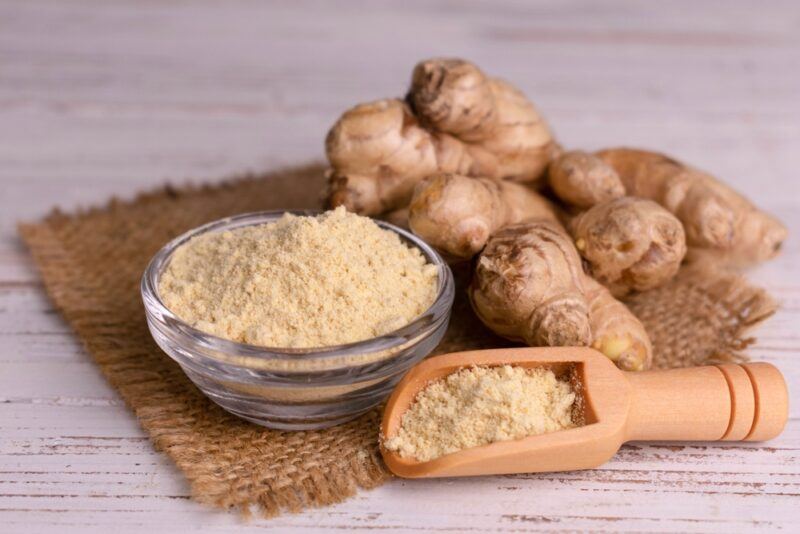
728	402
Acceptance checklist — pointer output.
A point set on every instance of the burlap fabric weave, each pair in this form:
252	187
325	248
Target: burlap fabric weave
92	262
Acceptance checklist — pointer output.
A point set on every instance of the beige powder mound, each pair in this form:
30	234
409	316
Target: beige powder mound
481	405
299	282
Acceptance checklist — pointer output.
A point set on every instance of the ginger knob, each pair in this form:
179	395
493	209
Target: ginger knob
453	96
616	332
528	286
630	244
584	180
457	214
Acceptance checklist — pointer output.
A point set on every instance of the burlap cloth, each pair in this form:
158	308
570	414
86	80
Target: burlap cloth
91	263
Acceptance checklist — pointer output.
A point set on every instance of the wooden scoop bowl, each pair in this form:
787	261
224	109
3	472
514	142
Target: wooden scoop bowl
728	402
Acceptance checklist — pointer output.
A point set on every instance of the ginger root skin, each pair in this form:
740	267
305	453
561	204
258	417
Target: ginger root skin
378	152
454	96
521	140
629	244
457	214
528	286
714	216
616	332
583	180
462	122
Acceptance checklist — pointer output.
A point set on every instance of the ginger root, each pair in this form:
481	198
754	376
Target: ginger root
629	244
446	160
584	180
457	214
455	96
378	152
529	286
616	332
462	122
714	216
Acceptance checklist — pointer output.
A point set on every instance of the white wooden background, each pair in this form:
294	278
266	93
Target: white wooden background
107	98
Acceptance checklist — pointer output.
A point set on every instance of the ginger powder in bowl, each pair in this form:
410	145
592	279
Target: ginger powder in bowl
297	320
299	282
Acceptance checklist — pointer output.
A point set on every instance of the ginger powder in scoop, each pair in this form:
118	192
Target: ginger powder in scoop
480	405
300	282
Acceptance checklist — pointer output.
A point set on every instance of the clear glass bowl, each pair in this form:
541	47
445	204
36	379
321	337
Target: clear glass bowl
294	389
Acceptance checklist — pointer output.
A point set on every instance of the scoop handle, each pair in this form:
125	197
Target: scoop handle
730	402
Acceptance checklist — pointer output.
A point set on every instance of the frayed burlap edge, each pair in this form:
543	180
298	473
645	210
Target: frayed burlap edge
718	308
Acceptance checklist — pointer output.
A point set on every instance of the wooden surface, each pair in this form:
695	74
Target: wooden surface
107	98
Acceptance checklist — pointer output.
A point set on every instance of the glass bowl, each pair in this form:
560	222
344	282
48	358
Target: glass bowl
294	389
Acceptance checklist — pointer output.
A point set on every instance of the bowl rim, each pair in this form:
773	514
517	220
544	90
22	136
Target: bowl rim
154	306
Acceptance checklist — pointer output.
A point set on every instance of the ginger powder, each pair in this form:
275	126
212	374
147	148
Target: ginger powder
481	405
299	282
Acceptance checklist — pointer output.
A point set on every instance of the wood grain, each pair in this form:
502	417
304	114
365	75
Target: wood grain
101	99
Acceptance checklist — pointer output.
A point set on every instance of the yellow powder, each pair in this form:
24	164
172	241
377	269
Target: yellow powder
481	405
299	282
